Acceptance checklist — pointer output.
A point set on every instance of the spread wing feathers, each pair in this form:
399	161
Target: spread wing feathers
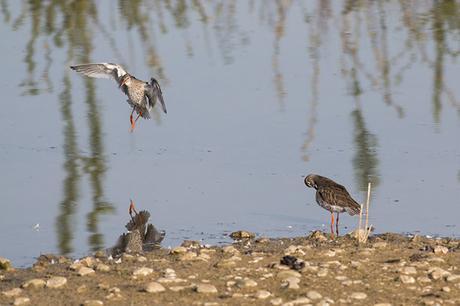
101	70
153	92
338	196
138	222
153	236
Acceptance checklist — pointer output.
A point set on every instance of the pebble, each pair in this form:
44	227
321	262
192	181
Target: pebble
406	279
5	264
102	267
437	273
314	295
141	259
81	289
127	257
179	250
154	287
93	303
12	292
83	271
75	266
34	283
276	301
301	301
56	282
247	282
21	300
409	270
446	289
205	288
380	245
358	295
294	250
440	250
88	261
291	283
262	294
453	278
288	273
322	273
383	304
144	271
177	288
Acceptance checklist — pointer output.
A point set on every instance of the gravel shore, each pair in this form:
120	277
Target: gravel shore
390	269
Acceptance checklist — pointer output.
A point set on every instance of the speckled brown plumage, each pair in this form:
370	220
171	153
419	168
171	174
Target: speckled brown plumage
332	197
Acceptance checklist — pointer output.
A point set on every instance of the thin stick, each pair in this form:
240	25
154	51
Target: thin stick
367	205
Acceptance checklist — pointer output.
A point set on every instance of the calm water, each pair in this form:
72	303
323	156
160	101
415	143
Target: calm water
259	93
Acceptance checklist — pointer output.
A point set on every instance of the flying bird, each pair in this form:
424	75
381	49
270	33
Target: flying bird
142	95
333	197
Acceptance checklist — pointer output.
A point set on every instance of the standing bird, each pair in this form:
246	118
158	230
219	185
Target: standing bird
142	95
332	197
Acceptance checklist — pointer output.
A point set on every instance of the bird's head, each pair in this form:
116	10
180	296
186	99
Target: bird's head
310	181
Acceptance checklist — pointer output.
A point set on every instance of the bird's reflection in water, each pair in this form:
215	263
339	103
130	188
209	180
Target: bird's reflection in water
140	237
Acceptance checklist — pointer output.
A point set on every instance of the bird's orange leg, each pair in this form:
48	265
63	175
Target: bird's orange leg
337	225
332	224
133	123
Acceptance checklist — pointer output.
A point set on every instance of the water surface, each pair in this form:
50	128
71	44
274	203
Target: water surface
259	94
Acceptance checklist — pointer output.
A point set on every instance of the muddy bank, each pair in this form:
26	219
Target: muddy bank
389	269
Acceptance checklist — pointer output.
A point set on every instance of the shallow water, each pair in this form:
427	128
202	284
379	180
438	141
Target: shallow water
259	94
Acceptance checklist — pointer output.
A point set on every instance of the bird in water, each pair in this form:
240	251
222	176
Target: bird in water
332	197
142	95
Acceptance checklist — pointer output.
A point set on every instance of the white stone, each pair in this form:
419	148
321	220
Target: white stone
314	295
56	282
288	273
409	270
247	282
34	283
144	271
154	287
406	279
205	288
93	303
358	295
440	250
276	301
301	301
102	267
83	271
453	278
21	301
262	294
437	273
291	283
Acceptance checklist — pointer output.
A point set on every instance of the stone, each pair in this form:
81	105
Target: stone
409	270
242	235
383	304
56	282
322	273
75	266
294	250
423	279
299	301
141	259
102	267
83	271
81	289
288	273
317	236
144	271
246	282
93	303
177	288
88	261
445	289
276	301
21	300
437	273
179	250
205	288
127	257
406	279
440	250
34	283
188	256
358	296
154	287
12	292
5	264
314	295
453	278
291	283
262	294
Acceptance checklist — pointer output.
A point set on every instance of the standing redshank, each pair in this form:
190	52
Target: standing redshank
332	197
142	95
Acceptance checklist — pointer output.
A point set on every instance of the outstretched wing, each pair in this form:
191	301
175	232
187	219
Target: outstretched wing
153	92
101	70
